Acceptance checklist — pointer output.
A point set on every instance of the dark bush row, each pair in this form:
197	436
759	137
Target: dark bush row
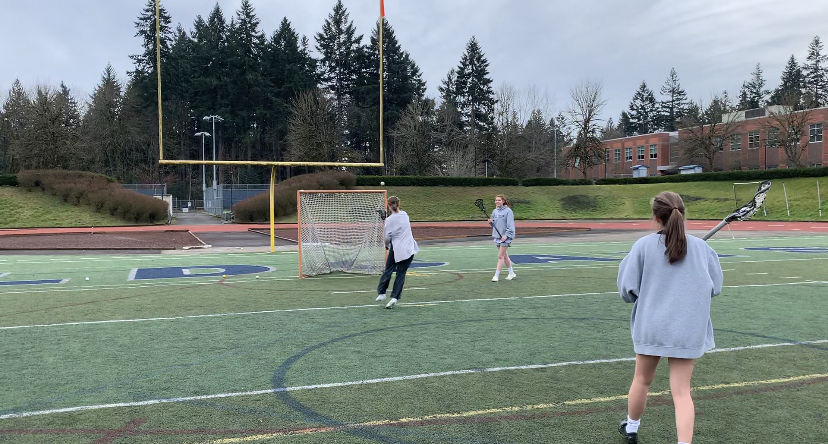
727	176
101	193
435	181
257	208
8	180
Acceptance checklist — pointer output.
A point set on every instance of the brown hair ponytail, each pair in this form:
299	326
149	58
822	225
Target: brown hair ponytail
668	209
394	204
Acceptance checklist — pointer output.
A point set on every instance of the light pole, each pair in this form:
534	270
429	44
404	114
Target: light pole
203	134
215	180
555	150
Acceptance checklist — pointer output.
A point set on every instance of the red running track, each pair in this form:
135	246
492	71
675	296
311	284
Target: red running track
645	225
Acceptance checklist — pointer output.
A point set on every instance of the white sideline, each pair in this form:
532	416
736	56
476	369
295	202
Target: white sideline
368	381
348	307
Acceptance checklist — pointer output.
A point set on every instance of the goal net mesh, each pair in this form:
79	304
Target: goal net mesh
341	231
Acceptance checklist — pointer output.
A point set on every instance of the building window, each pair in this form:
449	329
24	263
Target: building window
753	140
719	143
653	151
773	137
616	157
606	156
736	142
641	153
628	154
577	162
815	132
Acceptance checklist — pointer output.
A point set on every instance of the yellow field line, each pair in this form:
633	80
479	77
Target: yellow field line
510	409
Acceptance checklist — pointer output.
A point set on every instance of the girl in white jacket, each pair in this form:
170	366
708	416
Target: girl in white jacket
503	231
401	250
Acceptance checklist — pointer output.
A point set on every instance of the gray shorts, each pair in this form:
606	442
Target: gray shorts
506	243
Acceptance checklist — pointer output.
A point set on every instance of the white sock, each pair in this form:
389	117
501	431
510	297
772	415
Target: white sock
497	273
684	443
511	271
632	426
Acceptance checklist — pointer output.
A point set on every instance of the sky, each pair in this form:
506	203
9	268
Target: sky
545	46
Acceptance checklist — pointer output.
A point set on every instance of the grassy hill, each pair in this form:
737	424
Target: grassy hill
23	209
704	200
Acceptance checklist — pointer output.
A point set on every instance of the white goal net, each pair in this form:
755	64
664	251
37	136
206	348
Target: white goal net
341	231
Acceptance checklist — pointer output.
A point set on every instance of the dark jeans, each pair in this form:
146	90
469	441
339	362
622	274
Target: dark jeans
390	267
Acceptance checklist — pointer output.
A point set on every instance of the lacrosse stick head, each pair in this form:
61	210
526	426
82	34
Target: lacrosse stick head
479	204
382	214
749	209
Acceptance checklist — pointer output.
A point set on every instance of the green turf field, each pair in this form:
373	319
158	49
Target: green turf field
545	358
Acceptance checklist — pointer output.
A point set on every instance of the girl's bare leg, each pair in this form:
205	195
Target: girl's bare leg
681	370
645	368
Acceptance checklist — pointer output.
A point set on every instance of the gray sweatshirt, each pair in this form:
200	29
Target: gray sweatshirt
671	315
503	220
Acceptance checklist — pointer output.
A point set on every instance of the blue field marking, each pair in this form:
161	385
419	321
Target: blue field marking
791	249
551	258
32	282
422	264
138	274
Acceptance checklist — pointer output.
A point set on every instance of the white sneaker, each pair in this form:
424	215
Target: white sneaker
380	297
511	276
494	279
391	303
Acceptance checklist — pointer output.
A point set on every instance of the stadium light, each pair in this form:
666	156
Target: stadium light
214	118
203	134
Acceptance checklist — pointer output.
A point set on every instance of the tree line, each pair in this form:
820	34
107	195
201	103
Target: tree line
282	97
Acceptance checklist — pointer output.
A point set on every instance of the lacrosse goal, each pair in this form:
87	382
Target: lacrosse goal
341	230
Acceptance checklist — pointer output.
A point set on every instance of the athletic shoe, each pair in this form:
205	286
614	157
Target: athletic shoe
632	438
511	276
380	297
494	279
391	303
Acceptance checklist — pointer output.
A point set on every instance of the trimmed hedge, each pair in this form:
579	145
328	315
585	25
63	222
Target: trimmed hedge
97	191
436	181
8	180
257	208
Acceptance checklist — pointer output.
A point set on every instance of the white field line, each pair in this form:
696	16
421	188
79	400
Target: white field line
373	291
349	307
371	381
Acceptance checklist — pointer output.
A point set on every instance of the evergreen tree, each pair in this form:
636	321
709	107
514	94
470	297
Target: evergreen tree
753	92
102	127
247	88
675	105
289	70
643	111
448	88
144	76
814	74
210	88
790	85
339	46
473	90
15	119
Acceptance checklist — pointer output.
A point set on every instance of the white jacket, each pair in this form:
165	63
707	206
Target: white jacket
398	233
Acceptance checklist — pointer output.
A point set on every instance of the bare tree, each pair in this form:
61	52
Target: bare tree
313	134
790	128
586	150
414	137
706	133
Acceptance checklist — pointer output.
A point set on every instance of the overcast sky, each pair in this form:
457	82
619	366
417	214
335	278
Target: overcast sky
714	45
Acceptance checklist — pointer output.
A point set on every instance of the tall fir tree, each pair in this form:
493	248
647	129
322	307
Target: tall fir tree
473	90
643	110
210	65
102	127
753	92
815	77
789	90
144	76
289	70
340	47
675	105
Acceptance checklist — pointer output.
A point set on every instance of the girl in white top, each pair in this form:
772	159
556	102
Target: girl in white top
503	231
401	250
671	278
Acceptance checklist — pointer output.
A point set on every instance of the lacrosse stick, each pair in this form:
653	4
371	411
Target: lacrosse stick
745	212
479	204
381	213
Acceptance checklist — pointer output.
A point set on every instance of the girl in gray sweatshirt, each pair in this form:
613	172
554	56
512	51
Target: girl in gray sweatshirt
503	231
670	278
